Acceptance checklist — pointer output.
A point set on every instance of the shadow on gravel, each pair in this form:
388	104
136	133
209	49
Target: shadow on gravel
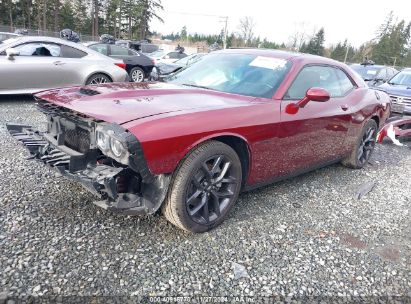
16	98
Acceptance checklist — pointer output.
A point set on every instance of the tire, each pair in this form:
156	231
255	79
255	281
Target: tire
137	74
98	79
198	200
364	147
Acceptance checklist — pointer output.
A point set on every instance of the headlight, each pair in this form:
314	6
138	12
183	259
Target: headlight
116	147
112	142
103	141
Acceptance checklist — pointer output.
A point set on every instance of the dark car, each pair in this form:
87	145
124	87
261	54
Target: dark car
399	90
236	120
140	46
138	65
374	75
163	70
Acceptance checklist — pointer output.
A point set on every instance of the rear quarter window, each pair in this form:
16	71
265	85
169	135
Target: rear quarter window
70	52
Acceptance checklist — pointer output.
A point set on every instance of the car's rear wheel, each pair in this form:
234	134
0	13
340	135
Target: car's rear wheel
98	79
364	147
204	187
137	74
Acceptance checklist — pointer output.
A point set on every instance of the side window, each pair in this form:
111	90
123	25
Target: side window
150	48
118	51
345	82
315	76
101	48
70	52
39	49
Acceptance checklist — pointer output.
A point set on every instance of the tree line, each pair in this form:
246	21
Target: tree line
391	45
130	19
121	18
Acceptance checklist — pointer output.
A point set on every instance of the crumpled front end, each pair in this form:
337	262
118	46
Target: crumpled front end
103	157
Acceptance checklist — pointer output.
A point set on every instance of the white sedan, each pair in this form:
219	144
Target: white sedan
162	56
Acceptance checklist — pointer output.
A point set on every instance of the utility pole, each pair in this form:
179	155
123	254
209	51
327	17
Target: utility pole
225	33
224	19
395	61
346	53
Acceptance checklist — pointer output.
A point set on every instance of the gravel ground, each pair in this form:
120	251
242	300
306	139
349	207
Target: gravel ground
308	236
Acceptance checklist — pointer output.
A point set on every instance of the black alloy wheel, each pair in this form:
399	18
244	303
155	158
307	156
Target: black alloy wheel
204	187
366	145
211	190
361	152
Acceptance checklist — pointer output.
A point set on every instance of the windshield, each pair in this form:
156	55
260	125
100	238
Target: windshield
402	78
366	72
248	75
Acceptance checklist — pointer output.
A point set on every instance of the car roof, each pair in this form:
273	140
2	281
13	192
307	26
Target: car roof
81	47
50	39
369	65
281	54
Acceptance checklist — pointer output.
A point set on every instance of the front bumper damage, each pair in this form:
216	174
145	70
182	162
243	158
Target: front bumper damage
145	192
396	128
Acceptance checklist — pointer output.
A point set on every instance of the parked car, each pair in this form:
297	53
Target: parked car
374	75
31	64
5	36
163	70
236	120
138	66
399	89
161	56
140	46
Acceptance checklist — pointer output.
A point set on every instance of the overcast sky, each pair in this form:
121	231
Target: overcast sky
355	20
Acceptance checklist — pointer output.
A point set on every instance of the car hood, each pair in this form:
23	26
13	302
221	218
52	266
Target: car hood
168	68
124	102
400	90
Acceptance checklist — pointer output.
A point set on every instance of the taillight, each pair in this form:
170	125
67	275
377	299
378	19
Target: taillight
121	65
153	61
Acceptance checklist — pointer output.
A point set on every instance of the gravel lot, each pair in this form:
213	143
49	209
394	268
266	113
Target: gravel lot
306	236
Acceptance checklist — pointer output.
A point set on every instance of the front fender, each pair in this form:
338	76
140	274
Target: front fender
211	137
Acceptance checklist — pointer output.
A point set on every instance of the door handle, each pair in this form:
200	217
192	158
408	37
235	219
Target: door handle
344	107
59	63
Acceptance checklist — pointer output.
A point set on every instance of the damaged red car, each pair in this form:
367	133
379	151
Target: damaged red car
237	120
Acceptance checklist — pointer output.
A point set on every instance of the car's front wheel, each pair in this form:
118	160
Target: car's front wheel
137	74
364	147
204	187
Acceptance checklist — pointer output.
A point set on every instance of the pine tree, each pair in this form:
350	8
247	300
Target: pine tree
315	45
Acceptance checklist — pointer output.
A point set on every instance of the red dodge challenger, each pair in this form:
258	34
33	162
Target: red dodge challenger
234	121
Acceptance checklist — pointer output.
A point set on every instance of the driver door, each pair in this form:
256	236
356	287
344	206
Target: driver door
34	68
316	134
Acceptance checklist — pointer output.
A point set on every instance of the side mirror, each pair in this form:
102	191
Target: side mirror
313	94
11	53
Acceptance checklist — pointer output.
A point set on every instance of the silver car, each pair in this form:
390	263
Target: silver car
5	35
31	64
